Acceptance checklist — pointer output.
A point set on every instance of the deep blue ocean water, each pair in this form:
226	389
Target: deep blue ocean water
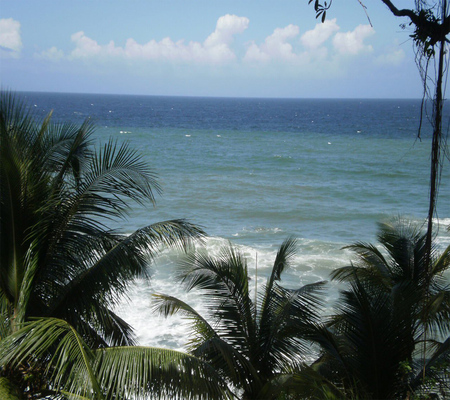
255	171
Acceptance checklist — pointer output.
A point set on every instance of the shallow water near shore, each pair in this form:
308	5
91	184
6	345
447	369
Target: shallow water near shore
256	171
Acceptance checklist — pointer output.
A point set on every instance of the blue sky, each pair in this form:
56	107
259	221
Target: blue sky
245	48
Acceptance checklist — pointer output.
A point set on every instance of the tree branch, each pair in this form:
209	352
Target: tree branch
402	13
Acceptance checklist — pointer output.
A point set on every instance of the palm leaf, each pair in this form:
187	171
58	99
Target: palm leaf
206	343
7	390
306	384
231	362
201	329
371	266
290	318
436	371
146	372
120	171
125	260
224	281
284	255
54	347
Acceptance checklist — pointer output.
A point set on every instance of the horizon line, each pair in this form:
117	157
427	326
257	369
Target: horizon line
213	96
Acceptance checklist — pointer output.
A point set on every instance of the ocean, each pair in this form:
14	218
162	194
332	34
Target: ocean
256	171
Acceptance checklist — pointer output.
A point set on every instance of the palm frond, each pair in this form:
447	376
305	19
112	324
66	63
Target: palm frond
6	313
146	372
119	172
378	337
67	149
283	258
306	384
224	280
284	255
201	329
231	362
371	265
442	263
54	347
290	318
16	119
108	268
436	371
206	343
26	284
7	390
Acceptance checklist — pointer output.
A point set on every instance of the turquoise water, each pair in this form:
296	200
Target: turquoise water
255	171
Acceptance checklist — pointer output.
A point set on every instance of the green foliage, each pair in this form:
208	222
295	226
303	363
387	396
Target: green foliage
56	257
54	350
255	349
7	390
371	347
62	269
321	9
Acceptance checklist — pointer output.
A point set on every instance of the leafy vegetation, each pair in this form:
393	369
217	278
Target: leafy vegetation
256	349
63	269
372	347
430	23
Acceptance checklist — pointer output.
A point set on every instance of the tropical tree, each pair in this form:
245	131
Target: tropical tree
60	260
430	23
372	346
254	347
55	362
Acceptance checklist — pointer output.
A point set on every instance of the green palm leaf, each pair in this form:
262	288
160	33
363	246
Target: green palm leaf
58	257
394	308
146	372
7	390
54	348
250	353
225	282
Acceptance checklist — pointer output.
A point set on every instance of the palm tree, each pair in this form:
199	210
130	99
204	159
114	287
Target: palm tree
373	346
254	348
55	361
59	260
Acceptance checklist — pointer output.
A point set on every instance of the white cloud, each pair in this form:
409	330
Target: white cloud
320	34
275	46
226	27
85	46
393	57
320	49
215	49
10	40
51	54
353	42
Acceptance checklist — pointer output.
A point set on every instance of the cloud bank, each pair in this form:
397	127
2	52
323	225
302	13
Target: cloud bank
285	45
10	39
214	50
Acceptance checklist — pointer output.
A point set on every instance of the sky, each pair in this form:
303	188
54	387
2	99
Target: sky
226	48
